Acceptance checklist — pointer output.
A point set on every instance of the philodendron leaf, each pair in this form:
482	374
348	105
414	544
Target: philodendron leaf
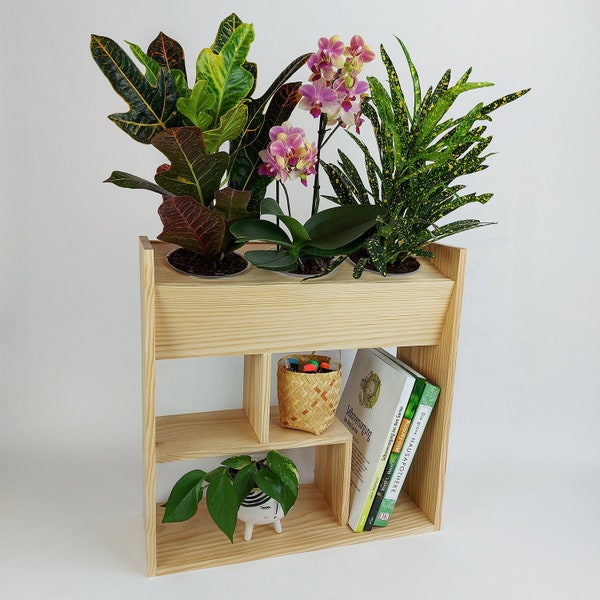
192	225
244	480
232	204
223	504
226	77
126	180
193	172
237	462
197	105
184	497
152	108
276	488
167	52
286	471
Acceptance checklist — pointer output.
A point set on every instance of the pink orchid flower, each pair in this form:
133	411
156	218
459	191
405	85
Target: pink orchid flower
318	98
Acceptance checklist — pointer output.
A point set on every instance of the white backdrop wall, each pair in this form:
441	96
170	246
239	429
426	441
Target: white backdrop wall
524	445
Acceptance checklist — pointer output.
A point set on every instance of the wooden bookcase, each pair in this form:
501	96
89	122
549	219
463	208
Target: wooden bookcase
186	317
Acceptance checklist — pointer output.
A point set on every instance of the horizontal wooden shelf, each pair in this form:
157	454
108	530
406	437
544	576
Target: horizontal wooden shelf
261	311
227	432
310	525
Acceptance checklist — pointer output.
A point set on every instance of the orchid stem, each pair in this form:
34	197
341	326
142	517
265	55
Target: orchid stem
320	142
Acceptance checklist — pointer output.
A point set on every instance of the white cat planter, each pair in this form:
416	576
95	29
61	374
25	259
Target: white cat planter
259	509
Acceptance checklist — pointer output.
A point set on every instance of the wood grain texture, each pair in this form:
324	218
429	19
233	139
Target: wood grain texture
310	525
332	477
425	480
262	312
148	402
226	432
257	393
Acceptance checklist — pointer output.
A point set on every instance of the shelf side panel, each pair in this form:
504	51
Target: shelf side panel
425	480
148	400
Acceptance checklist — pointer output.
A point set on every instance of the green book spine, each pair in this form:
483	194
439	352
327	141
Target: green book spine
413	402
415	433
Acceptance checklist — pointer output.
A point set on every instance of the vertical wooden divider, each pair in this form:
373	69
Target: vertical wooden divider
257	393
149	403
425	480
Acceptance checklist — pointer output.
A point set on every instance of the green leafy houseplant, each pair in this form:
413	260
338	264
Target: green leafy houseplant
226	487
421	151
191	125
328	234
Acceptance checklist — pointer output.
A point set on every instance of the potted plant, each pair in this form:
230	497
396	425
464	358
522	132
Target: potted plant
334	95
191	125
421	151
229	485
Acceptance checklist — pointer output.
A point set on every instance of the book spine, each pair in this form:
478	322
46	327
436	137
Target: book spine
402	466
413	403
358	526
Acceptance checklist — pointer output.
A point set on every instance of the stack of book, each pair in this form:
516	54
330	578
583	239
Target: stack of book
386	405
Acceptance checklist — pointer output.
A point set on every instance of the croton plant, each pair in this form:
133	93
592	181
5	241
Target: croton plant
190	123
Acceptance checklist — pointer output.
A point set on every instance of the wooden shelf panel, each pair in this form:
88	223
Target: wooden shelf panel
310	525
261	312
228	432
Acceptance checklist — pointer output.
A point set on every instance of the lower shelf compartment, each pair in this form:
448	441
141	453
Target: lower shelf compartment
310	525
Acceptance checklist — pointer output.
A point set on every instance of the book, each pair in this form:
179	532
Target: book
413	402
415	433
371	406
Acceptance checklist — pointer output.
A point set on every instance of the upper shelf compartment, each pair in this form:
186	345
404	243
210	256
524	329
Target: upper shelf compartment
260	311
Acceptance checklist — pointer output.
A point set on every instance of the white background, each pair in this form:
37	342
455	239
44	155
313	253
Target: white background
521	516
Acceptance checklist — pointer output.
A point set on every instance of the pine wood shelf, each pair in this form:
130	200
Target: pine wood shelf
256	314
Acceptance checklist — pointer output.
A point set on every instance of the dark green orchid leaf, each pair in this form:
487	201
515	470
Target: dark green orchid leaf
272	260
167	53
223	504
193	172
184	497
192	225
248	230
152	108
126	180
336	227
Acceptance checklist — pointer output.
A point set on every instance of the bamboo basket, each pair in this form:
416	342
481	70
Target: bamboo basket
308	401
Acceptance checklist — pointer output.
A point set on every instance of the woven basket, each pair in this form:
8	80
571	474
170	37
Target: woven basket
308	401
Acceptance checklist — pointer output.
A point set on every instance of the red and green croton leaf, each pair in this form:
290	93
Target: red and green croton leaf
193	172
192	225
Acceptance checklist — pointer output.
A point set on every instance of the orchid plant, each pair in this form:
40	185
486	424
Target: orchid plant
334	94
